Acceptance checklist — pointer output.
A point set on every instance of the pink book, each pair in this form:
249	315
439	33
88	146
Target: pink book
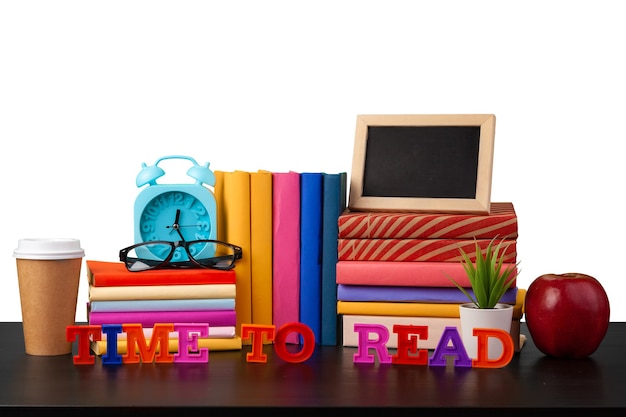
218	318
425	274
286	250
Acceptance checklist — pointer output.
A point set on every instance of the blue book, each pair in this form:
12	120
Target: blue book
311	251
333	204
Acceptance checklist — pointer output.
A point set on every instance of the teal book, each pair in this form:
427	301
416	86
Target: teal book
333	204
311	251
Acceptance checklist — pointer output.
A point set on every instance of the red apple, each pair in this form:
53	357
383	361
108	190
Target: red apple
567	314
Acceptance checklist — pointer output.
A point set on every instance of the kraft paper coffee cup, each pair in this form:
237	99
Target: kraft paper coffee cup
48	272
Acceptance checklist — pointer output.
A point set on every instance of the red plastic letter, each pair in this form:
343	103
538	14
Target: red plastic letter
365	343
408	353
256	332
308	343
482	360
135	337
84	356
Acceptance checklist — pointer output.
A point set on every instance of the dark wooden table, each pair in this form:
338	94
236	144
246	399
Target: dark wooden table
593	386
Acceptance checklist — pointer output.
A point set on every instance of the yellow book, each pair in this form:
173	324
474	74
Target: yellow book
232	190
413	309
380	308
233	343
261	245
218	192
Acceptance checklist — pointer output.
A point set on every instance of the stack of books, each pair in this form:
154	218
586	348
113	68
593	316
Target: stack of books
200	296
395	268
286	224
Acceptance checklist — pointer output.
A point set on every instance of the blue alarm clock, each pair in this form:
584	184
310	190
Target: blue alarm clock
175	212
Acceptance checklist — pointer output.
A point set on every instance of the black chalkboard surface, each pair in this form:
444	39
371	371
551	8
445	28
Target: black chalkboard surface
434	163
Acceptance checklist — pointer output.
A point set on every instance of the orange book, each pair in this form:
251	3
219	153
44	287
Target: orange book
232	193
115	274
261	245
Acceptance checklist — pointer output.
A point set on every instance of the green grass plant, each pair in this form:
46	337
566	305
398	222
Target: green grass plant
488	276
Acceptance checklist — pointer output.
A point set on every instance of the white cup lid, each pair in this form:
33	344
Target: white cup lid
48	249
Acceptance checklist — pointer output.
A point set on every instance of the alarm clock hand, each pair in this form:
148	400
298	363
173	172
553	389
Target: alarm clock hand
175	226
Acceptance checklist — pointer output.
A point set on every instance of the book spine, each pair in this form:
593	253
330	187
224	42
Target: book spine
163	292
333	204
261	246
418	250
235	215
416	309
501	222
286	252
380	308
411	274
411	294
163	305
436	327
114	274
311	251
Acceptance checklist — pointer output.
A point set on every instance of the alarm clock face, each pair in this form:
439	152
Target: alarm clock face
175	216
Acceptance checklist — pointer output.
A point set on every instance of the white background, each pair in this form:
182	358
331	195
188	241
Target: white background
90	90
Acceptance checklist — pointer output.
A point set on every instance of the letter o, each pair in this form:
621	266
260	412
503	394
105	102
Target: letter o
308	345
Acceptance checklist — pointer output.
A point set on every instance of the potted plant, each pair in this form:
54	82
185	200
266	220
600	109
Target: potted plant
490	277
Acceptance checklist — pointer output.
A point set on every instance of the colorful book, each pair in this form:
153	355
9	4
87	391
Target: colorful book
162	292
213	344
149	318
409	309
385	308
311	251
163	305
333	204
234	214
115	274
261	246
411	294
436	326
501	222
286	252
419	250
409	274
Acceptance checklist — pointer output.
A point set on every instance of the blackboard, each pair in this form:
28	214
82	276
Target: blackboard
431	163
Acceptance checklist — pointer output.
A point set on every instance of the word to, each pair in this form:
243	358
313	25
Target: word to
156	350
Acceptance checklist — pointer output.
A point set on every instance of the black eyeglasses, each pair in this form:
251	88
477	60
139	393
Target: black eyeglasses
160	254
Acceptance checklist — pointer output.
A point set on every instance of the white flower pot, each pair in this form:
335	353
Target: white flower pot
472	317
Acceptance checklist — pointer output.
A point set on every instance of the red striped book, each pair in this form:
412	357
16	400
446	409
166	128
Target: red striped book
418	250
501	222
115	274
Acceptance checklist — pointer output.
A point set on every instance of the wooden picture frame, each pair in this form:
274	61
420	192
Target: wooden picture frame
439	163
